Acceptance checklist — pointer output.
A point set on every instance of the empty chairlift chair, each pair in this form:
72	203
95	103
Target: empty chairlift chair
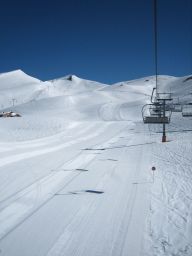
155	109
176	106
187	110
161	96
158	112
153	114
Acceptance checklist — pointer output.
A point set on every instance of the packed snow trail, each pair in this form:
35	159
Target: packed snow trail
169	224
52	173
102	194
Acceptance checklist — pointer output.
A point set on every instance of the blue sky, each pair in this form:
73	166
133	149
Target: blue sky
103	40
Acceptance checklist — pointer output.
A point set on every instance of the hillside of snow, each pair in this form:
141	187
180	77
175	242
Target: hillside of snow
76	169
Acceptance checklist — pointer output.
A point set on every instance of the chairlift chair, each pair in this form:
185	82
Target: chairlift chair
163	96
155	118
176	107
187	110
155	109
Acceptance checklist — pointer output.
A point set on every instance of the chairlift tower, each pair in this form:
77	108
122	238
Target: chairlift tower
163	97
13	101
158	111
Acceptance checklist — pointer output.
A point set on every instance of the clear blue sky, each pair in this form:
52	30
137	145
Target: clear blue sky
103	40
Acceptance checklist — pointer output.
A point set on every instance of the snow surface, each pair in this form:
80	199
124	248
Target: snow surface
76	173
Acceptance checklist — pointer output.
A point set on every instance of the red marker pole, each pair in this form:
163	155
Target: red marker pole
153	171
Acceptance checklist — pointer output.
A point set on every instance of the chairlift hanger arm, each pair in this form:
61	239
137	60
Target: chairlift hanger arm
152	95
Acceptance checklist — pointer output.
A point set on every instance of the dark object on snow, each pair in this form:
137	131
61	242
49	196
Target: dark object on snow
187	79
70	78
94	191
9	114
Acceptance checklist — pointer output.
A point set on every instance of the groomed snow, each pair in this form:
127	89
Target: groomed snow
75	169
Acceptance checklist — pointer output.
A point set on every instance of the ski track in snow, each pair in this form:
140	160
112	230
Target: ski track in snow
170	221
51	182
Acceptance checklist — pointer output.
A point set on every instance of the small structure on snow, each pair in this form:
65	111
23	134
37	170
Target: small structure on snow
9	114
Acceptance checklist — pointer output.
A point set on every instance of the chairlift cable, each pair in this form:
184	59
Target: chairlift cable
155	43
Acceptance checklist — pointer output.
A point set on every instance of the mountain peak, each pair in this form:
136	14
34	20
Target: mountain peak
73	78
13	72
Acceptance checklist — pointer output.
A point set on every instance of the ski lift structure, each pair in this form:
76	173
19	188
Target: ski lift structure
176	106
158	112
160	109
187	110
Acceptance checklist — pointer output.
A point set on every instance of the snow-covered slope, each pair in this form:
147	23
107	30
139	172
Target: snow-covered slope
66	99
75	169
16	78
17	87
72	84
182	88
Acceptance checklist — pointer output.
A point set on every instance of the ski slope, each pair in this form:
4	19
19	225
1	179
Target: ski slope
76	173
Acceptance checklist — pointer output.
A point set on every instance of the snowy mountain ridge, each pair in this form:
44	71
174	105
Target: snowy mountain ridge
35	89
